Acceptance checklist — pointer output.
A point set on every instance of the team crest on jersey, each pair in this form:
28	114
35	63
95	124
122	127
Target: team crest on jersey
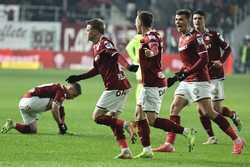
108	45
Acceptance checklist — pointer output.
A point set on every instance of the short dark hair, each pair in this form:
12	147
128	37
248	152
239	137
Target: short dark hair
185	12
77	87
146	18
97	24
200	12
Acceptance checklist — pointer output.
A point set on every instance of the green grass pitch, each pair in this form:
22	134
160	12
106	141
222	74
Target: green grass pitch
93	145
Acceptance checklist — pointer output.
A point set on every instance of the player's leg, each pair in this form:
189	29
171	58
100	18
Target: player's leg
143	133
177	105
29	126
143	127
206	108
207	125
218	97
113	101
170	126
227	112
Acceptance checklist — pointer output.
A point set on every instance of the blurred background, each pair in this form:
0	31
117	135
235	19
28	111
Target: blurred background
50	34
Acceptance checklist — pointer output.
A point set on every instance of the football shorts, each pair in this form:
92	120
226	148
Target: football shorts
217	89
151	98
194	91
113	100
31	107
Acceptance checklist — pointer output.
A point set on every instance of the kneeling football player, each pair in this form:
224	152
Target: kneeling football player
40	99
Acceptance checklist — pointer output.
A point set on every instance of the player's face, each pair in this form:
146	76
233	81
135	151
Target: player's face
71	93
198	21
138	24
181	23
91	33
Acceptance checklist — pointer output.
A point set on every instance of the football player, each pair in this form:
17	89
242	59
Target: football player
41	99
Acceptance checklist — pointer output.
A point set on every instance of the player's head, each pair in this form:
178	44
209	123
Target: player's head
143	19
199	19
95	28
182	18
73	90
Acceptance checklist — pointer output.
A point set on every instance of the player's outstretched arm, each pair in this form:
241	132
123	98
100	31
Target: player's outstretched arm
75	78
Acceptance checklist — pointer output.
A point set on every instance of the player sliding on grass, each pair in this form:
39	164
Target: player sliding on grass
116	84
41	99
154	87
215	43
195	86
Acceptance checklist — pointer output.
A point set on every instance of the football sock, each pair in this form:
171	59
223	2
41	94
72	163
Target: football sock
144	132
23	128
227	112
122	143
206	123
170	137
225	126
109	121
115	124
168	126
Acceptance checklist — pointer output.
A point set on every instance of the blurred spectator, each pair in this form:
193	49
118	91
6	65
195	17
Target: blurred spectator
131	9
245	55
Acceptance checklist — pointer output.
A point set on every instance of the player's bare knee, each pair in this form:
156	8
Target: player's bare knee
151	121
151	118
140	115
174	109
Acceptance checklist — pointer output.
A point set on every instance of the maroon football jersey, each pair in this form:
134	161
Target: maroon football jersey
194	56
55	92
151	71
214	43
106	64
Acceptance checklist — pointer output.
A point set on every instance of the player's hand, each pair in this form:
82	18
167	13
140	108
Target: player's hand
133	67
73	78
62	128
148	53
181	75
171	80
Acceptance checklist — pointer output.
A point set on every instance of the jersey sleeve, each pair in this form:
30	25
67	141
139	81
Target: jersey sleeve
225	46
221	41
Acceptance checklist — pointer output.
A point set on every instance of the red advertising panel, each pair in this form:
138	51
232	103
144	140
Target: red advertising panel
34	59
